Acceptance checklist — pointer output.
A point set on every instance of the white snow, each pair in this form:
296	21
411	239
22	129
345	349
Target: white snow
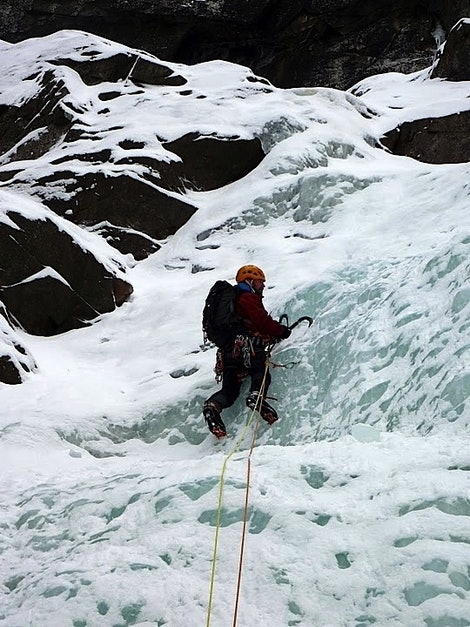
359	496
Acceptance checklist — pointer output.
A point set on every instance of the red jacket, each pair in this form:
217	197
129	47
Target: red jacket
255	317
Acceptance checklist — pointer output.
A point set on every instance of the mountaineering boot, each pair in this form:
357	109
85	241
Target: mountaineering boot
268	413
213	419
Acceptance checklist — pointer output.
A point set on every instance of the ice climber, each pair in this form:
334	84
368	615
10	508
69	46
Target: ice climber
245	353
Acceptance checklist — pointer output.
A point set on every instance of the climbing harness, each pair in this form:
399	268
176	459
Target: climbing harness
242	346
219	365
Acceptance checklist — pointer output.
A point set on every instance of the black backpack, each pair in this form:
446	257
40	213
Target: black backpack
220	324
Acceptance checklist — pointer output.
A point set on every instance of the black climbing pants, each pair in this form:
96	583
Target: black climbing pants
233	372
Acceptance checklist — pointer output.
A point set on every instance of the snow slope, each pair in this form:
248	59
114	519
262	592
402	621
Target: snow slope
110	480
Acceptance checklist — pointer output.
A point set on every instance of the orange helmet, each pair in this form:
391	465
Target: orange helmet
250	272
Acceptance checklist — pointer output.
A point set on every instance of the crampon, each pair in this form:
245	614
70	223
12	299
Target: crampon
259	404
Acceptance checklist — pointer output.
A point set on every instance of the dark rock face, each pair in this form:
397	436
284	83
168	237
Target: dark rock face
9	372
15	359
120	67
68	151
50	284
130	189
445	139
121	200
333	43
40	113
454	62
433	140
118	198
208	162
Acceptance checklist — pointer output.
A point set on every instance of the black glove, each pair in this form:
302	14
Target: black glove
285	332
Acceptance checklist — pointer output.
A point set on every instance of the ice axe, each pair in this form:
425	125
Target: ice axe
284	319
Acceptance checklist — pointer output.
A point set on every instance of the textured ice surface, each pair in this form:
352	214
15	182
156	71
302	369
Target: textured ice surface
110	480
